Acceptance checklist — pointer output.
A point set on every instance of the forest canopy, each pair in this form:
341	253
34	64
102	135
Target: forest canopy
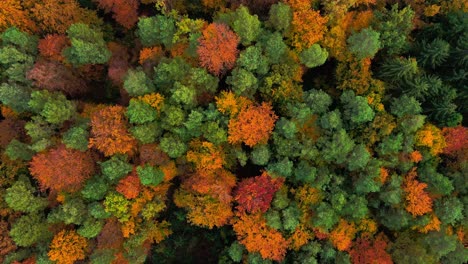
233	131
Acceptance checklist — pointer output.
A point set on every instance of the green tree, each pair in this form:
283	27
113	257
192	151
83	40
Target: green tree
87	46
449	210
20	197
18	150
243	82
15	96
173	146
235	251
156	30
116	167
260	155
405	105
95	188
76	138
246	26
253	60
337	148
147	133
72	211
356	108
313	56
136	83
29	229
280	17
54	107
358	158
364	44
398	68
139	112
150	175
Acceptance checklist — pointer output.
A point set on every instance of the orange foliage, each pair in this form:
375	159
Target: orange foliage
215	4
52	45
125	11
61	169
204	210
169	169
218	48
67	247
383	175
13	14
367	227
335	42
151	154
299	238
129	186
156	100
7	112
253	232
56	16
152	54
418	201
158	231
415	156
430	136
128	228
307	26
227	102
206	156
253	125
343	235
218	184
109	132
354	74
433	225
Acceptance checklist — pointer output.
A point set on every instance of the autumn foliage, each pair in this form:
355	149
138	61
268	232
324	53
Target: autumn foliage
418	201
368	251
255	194
109	132
253	232
125	11
62	169
67	247
218	48
253	125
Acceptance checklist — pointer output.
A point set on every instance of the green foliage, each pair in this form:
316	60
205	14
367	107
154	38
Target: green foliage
73	211
173	146
18	150
318	101
15	96
337	148
356	108
116	167
25	42
364	44
246	26
20	197
398	68
169	71
358	158
405	105
150	175
394	26
280	17
139	112
449	210
304	172
76	138
260	155
314	56
325	217
253	61
235	251
91	228
286	128
243	82
434	54
28	230
147	133
54	107
156	30
273	46
184	95
136	83
87	46
95	188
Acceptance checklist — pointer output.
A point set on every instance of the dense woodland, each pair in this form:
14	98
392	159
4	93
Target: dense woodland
233	131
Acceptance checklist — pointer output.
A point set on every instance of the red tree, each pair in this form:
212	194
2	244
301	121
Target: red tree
52	45
255	194
366	251
62	169
456	139
125	11
118	63
54	76
218	48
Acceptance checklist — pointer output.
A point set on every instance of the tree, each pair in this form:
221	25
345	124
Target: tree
51	46
255	194
364	44
116	167
173	146
18	150
150	175
136	83
6	243
342	235
156	30
20	197
418	202
109	132
56	77
61	169
54	107
28	230
313	56
15	96
217	48
129	186
56	16
125	12
245	25
367	251
253	232
356	108
139	112
13	14
456	139
280	17
243	82
253	125
67	247
87	46
405	105
76	138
